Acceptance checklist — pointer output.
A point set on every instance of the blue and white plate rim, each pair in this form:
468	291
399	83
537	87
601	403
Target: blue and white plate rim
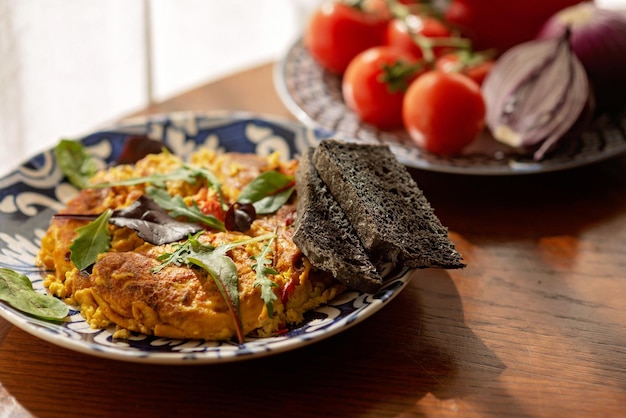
342	313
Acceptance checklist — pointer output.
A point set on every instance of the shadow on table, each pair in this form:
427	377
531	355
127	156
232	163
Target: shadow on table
418	345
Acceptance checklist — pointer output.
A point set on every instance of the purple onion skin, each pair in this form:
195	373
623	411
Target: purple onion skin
535	94
598	39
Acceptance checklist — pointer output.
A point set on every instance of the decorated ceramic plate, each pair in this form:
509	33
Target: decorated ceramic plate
313	95
37	189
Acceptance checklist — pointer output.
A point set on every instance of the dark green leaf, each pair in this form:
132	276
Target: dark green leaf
93	239
263	268
75	163
17	290
265	185
270	204
157	179
177	207
224	272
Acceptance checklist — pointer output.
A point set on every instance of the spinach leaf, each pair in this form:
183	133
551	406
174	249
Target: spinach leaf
17	290
92	240
269	191
75	163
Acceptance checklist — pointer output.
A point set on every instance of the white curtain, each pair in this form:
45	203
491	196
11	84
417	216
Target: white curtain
70	66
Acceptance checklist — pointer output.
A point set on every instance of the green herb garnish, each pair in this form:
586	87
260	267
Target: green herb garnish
268	191
177	207
74	162
214	261
182	173
17	290
263	268
93	239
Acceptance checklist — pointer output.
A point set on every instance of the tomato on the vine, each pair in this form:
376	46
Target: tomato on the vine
401	32
475	66
374	84
337	32
443	112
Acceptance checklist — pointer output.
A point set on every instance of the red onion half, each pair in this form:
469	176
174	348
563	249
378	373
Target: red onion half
598	39
535	93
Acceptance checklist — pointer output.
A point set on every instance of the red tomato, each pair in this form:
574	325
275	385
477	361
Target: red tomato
443	112
337	32
475	67
366	92
501	24
399	33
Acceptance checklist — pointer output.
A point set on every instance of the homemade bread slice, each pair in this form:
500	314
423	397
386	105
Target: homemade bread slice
324	234
390	214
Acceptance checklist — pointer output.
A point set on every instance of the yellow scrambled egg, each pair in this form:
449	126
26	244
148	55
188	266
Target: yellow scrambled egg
124	288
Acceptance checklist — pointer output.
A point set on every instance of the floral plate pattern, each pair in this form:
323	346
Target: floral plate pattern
313	95
33	192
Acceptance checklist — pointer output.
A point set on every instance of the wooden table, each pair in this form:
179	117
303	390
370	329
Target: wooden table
535	326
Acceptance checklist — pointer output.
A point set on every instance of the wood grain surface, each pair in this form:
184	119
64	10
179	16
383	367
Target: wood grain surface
535	326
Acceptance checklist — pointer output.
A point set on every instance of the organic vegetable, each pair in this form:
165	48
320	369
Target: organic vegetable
403	32
374	85
93	239
535	93
74	162
338	31
268	191
474	65
443	112
17	290
598	38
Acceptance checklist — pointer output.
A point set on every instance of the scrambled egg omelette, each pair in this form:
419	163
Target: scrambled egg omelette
129	286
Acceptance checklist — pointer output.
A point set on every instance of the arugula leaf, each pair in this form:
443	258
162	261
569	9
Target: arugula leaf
158	179
17	290
92	240
181	251
177	207
220	267
75	163
271	188
262	267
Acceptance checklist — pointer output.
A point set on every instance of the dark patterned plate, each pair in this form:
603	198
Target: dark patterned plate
34	191
314	97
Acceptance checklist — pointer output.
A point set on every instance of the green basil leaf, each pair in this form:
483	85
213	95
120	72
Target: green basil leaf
270	204
74	162
93	239
17	290
266	184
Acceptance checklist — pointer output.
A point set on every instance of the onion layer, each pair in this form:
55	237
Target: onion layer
598	38
535	94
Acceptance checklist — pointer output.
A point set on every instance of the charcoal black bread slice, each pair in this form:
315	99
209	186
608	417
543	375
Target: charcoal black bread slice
390	214
325	236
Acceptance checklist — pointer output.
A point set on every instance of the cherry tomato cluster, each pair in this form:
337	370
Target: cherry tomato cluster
402	67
